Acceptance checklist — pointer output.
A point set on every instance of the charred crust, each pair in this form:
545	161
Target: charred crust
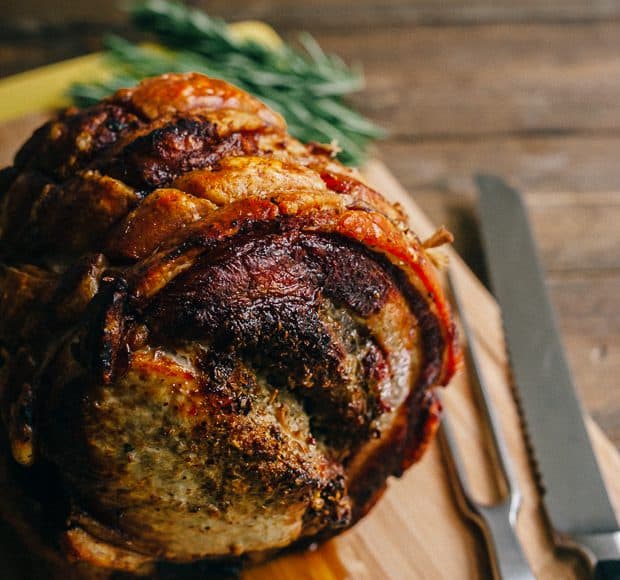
103	348
431	335
268	300
20	195
330	508
225	384
65	145
376	371
353	278
424	418
157	158
7	176
416	426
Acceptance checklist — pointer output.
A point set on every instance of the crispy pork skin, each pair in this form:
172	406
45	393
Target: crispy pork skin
217	342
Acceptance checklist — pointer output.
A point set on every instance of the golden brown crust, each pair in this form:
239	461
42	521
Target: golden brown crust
175	94
220	341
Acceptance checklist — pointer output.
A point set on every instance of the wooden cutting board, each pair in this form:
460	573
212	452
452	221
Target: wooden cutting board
416	530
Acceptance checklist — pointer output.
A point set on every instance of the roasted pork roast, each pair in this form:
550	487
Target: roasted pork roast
216	341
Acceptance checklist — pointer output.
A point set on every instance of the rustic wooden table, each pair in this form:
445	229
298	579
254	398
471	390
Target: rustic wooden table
528	90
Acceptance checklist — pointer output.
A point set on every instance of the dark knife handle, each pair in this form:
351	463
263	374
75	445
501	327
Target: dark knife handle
603	551
607	570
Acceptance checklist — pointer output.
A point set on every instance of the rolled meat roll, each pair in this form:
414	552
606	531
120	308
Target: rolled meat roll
217	341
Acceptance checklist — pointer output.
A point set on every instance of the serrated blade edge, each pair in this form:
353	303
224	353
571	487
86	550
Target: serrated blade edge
576	500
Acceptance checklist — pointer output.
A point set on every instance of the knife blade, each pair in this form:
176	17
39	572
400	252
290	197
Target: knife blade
575	498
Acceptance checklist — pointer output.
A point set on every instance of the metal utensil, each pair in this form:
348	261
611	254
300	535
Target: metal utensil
497	521
575	497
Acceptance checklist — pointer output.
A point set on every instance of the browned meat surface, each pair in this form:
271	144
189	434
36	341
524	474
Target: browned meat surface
216	341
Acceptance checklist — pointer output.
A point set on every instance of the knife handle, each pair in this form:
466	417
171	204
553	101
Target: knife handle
603	551
607	570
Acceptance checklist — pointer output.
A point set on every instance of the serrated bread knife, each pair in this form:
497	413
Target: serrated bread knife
575	497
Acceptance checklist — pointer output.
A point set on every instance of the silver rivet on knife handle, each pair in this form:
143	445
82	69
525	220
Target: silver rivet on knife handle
575	497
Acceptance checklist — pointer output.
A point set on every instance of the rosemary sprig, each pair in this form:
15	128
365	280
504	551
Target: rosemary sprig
307	87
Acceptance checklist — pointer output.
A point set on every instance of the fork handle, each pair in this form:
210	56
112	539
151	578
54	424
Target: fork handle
507	557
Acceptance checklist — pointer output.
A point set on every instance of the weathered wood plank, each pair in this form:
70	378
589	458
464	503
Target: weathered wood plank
572	238
22	53
589	320
487	80
580	164
577	232
341	13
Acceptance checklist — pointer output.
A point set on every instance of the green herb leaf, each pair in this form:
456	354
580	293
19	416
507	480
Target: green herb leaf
307	88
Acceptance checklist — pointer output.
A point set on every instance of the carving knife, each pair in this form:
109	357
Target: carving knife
575	498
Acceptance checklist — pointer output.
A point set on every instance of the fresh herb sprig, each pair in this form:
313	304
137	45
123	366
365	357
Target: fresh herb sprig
307	87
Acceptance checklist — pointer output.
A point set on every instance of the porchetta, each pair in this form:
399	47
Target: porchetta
217	341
